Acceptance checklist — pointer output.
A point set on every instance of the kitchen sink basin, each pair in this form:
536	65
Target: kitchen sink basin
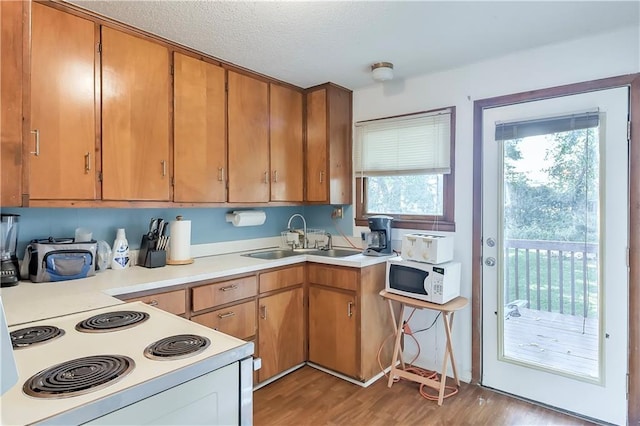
278	253
282	253
335	252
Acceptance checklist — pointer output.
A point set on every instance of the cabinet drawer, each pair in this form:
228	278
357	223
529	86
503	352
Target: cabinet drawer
333	277
237	320
171	301
281	278
211	295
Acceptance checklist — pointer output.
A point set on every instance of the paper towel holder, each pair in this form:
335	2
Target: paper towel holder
246	217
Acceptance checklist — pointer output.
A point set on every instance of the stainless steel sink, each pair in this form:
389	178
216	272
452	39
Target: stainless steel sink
282	253
278	253
335	252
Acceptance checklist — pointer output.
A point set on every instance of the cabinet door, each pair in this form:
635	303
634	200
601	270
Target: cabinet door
135	118
63	106
200	140
280	332
285	126
316	156
332	330
11	93
248	139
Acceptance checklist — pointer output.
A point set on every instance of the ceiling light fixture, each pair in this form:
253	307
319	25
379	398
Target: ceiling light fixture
382	71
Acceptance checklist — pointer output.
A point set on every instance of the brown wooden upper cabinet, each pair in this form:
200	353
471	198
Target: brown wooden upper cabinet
11	99
200	140
135	118
248	142
63	106
286	137
328	156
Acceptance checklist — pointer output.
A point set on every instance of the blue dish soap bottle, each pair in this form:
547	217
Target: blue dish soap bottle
120	251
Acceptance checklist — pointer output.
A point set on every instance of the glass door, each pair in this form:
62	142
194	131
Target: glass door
554	252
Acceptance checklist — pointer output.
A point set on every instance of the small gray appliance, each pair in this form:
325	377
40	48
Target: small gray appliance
379	239
8	244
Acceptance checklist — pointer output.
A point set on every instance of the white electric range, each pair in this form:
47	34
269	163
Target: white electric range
212	385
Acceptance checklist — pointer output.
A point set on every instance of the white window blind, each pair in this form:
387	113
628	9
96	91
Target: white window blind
408	145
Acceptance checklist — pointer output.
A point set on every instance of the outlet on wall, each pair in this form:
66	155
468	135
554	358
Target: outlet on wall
336	213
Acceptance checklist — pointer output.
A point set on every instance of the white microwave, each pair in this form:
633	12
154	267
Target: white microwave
423	281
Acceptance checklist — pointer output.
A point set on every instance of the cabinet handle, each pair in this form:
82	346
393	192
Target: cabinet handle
349	311
164	167
87	162
226	315
152	302
229	287
275	175
263	312
221	174
266	177
321	176
37	151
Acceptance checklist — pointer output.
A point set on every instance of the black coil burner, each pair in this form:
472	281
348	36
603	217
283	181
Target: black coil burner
176	347
30	336
78	376
110	321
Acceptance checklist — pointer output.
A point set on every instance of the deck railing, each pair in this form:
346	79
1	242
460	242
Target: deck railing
553	276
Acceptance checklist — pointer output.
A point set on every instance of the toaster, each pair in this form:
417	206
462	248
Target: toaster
427	248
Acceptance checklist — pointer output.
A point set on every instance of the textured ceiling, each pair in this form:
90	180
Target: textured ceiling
308	43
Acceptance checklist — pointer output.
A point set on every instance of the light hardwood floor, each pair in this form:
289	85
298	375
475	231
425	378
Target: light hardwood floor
311	397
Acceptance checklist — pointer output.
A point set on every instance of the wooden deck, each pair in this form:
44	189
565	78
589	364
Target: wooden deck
558	341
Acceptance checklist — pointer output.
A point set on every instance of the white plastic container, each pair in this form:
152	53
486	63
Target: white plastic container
120	251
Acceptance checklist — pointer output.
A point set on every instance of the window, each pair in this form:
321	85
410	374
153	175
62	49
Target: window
404	168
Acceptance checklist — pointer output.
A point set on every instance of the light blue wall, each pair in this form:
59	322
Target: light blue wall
208	225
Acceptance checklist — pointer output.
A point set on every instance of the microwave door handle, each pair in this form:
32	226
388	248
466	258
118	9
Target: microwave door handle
425	284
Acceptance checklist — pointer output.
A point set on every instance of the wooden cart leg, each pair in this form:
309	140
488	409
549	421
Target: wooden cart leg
396	347
443	371
447	330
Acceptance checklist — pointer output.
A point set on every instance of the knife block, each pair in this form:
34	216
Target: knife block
150	257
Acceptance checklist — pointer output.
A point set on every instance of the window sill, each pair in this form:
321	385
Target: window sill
424	225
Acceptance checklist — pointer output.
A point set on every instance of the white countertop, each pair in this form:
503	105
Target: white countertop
29	301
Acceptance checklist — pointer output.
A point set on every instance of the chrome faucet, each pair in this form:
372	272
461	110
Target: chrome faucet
304	225
329	245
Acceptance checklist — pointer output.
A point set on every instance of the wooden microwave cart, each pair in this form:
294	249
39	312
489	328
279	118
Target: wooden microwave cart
447	310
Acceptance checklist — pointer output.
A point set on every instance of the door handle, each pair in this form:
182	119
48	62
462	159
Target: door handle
229	287
491	242
275	176
226	315
349	310
37	151
220	174
263	312
87	162
321	176
164	167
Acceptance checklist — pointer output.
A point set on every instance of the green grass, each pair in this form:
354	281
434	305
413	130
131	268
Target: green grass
552	285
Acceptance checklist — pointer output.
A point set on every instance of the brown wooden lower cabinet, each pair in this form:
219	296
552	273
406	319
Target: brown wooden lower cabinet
348	320
280	332
236	320
332	330
170	301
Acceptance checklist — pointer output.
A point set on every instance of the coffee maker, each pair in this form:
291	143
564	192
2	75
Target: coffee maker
378	241
8	243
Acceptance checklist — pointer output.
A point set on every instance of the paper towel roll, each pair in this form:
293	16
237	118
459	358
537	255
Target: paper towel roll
247	218
180	245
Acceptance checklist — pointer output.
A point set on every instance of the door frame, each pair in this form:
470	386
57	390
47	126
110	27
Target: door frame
633	82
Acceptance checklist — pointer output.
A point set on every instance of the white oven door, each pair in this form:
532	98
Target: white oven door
205	400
